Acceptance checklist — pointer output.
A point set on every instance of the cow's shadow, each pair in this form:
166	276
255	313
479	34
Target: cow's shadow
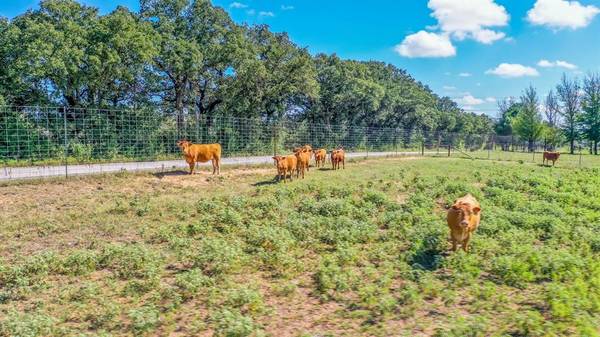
273	181
176	173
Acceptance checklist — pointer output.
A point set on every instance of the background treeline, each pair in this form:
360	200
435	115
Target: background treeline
184	57
570	115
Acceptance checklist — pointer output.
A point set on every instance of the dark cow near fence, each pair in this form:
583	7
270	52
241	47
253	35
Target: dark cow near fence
550	156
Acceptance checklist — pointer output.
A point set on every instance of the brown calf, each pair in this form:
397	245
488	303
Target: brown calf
201	153
286	165
338	156
550	156
463	219
320	156
303	157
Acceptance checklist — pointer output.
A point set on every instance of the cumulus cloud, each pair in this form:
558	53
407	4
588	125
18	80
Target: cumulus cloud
449	88
490	99
458	20
469	100
559	14
426	44
470	19
269	14
511	70
465	75
556	64
237	5
287	8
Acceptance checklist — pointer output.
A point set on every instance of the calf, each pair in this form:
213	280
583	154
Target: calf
320	156
338	156
550	156
286	165
463	219
201	153
303	157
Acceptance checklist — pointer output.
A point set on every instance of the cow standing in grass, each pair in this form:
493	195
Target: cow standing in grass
201	153
550	156
463	219
286	165
303	155
320	156
338	157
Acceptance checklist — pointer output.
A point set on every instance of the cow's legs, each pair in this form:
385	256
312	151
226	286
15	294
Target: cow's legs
344	164
465	245
454	245
192	166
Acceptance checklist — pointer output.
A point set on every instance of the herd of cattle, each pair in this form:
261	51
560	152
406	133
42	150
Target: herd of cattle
463	216
297	163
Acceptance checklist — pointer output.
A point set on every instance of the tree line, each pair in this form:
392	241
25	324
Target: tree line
188	57
569	114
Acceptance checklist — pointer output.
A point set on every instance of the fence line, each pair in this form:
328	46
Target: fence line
32	135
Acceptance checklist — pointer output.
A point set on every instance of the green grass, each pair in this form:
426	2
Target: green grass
361	251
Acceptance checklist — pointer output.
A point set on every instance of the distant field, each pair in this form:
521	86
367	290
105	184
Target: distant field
361	251
566	159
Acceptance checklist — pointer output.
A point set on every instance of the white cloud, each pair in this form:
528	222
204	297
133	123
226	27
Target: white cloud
425	44
465	75
560	14
269	14
449	88
469	100
558	63
470	19
287	8
490	99
510	70
237	5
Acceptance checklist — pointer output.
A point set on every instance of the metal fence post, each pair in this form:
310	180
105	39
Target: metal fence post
449	145
580	156
66	150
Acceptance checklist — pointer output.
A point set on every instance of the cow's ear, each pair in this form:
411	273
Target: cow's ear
476	210
455	207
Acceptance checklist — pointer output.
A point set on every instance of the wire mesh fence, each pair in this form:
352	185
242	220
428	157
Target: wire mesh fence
34	137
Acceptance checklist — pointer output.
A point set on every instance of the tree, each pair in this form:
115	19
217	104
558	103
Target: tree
590	103
552	109
180	54
528	123
508	109
568	93
279	79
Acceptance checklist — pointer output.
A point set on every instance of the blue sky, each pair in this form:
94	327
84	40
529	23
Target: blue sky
475	51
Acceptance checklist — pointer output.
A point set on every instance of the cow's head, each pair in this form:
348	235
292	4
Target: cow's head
465	213
279	161
183	144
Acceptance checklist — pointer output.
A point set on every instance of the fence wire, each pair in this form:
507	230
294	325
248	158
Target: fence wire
46	136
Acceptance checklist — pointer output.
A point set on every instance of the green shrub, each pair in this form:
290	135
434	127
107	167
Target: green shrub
231	323
144	319
131	261
16	324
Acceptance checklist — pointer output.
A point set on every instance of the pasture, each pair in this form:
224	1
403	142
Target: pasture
360	251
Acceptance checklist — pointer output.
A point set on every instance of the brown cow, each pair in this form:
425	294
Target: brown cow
305	149
338	156
320	156
303	157
285	165
201	153
550	156
463	219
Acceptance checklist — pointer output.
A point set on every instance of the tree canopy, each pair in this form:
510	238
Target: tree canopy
189	57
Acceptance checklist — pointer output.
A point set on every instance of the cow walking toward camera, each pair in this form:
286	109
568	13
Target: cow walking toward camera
550	157
463	219
286	165
201	153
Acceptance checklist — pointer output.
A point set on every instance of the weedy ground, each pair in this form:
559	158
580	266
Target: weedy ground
361	251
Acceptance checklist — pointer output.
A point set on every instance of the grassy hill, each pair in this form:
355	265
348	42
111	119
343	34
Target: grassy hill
362	251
